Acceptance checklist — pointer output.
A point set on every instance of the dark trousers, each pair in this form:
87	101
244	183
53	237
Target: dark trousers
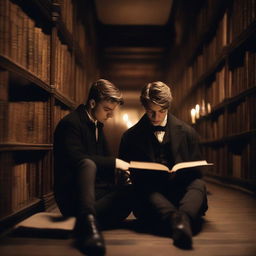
159	199
110	203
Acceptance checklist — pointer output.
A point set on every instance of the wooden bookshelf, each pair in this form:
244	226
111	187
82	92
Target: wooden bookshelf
44	52
24	146
218	76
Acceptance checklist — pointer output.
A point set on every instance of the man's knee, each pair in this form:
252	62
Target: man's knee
198	184
87	163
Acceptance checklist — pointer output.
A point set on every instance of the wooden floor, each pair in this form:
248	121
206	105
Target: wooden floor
229	230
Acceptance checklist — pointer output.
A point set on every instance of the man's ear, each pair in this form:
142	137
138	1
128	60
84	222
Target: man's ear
92	103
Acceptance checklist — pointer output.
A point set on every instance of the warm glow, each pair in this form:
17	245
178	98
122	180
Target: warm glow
209	109
193	115
129	124
125	117
203	109
127	121
197	109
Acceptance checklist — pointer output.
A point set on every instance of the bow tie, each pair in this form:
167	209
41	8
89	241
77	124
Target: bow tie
158	128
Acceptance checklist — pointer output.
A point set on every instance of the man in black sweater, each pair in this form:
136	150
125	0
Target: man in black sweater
172	202
84	173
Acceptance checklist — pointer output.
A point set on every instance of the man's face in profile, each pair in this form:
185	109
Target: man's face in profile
103	110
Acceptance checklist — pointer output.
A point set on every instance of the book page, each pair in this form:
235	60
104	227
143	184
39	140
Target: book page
148	166
191	164
161	167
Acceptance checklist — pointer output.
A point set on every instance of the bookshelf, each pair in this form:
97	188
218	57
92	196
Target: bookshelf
217	80
45	48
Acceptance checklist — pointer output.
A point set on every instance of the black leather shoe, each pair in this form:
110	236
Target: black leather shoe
89	239
181	230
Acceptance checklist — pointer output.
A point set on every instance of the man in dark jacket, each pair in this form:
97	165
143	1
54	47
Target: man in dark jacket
170	201
84	171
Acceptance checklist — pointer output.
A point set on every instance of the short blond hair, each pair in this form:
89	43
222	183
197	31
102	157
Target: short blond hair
103	89
158	93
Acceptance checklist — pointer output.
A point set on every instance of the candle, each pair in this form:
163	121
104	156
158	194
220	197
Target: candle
203	108
193	115
209	109
197	109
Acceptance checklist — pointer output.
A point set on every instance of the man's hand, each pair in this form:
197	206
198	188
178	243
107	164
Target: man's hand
123	172
122	165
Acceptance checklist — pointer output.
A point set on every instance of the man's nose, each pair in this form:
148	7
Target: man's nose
156	116
110	114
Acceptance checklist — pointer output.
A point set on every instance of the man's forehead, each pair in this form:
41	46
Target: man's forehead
108	104
154	107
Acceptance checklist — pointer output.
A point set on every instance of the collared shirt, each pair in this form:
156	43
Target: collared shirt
160	134
95	122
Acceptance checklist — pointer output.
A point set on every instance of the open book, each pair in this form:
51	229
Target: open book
161	167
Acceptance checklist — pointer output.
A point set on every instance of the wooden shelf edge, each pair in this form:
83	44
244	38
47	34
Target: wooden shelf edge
63	99
240	39
229	138
229	101
24	146
246	92
9	65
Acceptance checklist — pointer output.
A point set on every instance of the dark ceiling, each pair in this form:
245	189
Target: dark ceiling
134	37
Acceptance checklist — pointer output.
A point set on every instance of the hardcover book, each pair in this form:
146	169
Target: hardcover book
160	167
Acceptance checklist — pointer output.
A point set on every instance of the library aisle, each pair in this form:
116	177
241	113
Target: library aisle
229	229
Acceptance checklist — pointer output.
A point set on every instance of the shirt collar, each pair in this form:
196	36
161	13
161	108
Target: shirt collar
164	121
91	118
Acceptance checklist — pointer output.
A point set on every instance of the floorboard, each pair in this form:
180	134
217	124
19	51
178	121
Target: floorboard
229	230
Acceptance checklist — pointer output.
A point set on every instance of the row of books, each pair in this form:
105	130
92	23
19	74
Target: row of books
22	41
227	82
64	70
4	80
242	76
239	16
66	11
219	79
24	122
210	52
59	113
213	49
212	129
80	81
236	160
79	34
18	183
205	15
241	117
238	118
216	91
242	14
45	166
30	41
217	156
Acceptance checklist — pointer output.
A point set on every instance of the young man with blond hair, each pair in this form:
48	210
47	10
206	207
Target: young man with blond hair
85	172
171	202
